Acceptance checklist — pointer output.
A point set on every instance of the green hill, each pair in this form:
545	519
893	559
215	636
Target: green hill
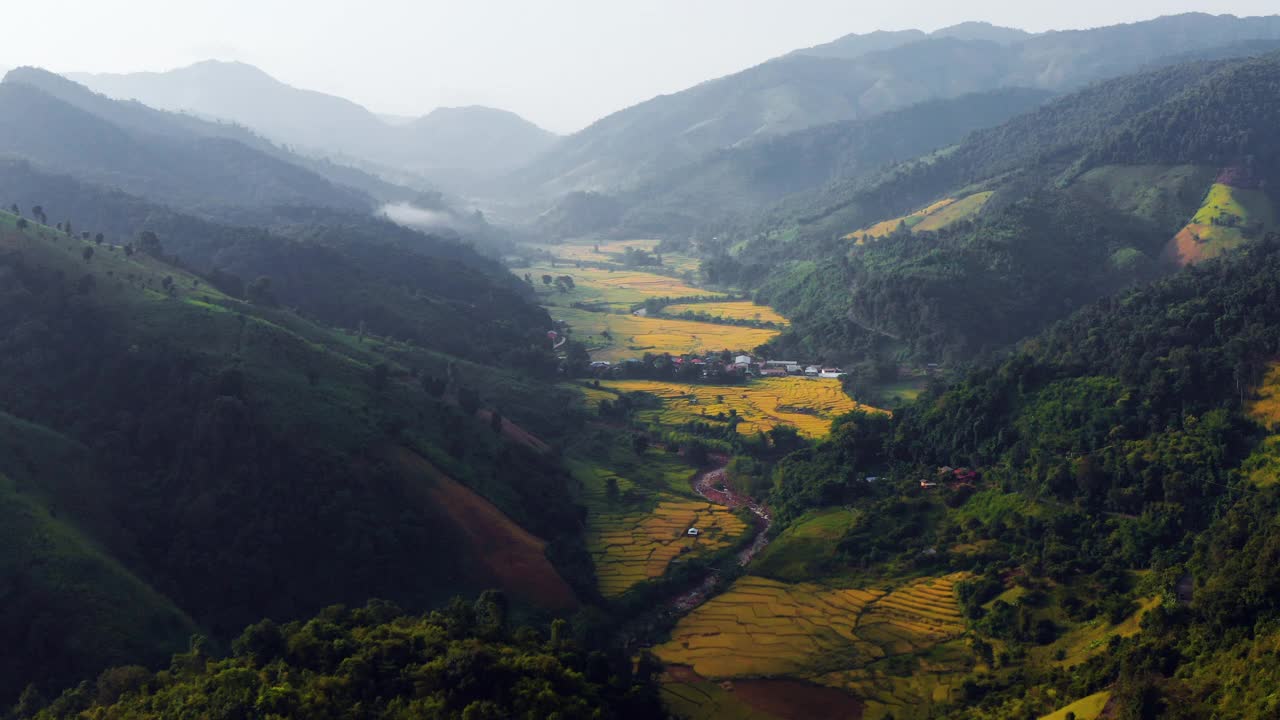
243	441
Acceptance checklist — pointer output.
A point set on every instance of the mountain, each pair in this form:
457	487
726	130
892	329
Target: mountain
179	429
148	153
962	252
471	140
801	90
855	45
735	183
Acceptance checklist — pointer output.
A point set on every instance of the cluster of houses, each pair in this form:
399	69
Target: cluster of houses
714	364
951	477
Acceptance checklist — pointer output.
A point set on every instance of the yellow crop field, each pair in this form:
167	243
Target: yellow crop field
762	627
1087	708
632	542
617	337
932	218
618	289
741	310
807	404
1228	218
613	251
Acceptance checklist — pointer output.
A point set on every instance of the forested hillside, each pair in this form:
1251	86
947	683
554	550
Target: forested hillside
1021	223
1123	459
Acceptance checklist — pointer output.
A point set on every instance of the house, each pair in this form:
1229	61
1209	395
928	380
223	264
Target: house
693	532
774	372
600	365
928	484
873	478
742	360
834	373
812	371
641	313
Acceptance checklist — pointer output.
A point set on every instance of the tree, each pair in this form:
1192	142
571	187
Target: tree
87	253
639	443
149	243
37	212
259	292
98	239
546	279
15	210
22	223
378	376
468	400
495	421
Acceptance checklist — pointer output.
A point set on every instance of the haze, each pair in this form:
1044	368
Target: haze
562	64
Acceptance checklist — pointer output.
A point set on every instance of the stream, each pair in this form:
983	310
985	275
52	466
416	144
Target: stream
712	486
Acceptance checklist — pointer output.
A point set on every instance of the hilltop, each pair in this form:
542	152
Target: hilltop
445	144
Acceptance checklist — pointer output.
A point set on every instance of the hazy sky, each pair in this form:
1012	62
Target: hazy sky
561	63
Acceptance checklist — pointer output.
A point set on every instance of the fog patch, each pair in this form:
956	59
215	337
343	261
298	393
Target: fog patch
416	217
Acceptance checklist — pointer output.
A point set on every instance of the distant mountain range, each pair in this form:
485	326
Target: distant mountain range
858	76
469	141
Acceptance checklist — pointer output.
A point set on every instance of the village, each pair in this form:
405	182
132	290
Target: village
713	366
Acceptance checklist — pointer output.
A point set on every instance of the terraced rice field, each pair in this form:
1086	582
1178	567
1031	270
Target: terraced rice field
635	534
763	627
932	218
741	310
629	336
1228	218
808	404
617	290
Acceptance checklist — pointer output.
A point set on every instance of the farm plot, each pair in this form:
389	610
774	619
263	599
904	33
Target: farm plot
1228	218
807	404
833	636
932	218
614	252
738	310
615	337
617	290
635	533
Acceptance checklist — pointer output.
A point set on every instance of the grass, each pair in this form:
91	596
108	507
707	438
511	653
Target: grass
615	337
741	310
1228	218
928	219
808	404
807	546
1161	193
1090	639
1088	708
891	647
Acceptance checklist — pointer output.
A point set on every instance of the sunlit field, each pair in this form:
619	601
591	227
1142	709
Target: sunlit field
934	217
615	290
615	337
858	639
808	404
741	310
635	533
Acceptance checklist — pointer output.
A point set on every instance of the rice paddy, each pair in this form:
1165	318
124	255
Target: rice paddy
740	310
616	337
932	218
634	532
617	290
614	252
808	404
762	627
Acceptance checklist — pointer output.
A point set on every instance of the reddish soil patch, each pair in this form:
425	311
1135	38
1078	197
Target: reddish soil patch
501	551
1185	248
794	700
515	433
